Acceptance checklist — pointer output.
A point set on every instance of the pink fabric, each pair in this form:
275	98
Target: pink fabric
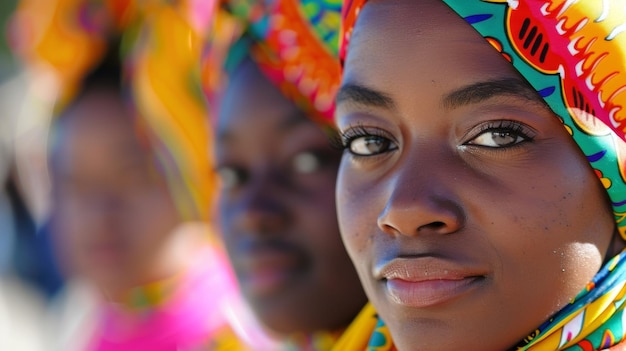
195	312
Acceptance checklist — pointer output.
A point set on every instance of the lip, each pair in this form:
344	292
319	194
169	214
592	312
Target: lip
266	268
421	282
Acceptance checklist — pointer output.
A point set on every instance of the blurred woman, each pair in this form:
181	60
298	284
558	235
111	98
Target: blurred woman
130	165
278	173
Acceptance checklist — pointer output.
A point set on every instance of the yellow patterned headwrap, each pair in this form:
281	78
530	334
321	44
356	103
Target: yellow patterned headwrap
161	48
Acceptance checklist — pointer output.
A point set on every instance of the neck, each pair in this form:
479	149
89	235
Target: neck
146	296
158	282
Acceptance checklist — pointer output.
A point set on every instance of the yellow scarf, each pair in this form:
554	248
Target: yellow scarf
366	333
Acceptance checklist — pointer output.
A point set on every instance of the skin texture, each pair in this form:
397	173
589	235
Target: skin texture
277	210
471	215
114	216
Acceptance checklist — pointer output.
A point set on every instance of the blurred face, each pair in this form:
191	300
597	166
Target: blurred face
278	210
468	210
114	212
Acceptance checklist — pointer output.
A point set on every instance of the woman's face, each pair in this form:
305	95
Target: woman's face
278	210
114	214
468	210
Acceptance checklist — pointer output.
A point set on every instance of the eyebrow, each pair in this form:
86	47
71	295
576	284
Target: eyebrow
481	91
470	94
362	95
294	119
291	121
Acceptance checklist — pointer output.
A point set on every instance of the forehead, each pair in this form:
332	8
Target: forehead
94	110
398	42
99	125
253	106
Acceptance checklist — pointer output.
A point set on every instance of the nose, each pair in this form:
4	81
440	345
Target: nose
102	202
260	209
101	209
422	201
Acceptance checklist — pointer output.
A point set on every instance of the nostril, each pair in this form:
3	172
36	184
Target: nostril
434	226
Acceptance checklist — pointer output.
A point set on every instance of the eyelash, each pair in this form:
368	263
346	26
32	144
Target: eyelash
352	133
508	126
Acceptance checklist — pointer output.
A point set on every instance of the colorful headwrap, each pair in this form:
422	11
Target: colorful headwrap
162	43
574	54
295	44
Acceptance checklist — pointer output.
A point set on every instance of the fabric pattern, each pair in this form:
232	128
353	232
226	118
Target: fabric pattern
572	53
367	332
295	43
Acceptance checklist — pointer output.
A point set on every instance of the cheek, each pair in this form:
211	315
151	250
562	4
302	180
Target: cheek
583	226
357	216
569	205
550	231
313	197
75	226
358	209
226	223
226	209
152	215
67	230
316	213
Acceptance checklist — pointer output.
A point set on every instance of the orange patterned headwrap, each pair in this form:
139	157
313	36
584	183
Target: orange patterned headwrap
295	43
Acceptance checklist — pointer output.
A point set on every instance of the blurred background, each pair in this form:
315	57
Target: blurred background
69	246
29	277
108	233
24	246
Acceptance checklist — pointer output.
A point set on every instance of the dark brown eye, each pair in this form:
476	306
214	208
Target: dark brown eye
369	145
306	162
497	139
231	177
501	134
